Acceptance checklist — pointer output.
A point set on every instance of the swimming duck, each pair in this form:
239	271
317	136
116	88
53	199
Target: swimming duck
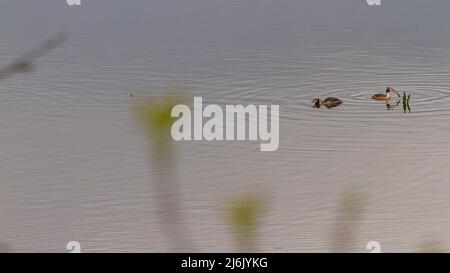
386	96
329	102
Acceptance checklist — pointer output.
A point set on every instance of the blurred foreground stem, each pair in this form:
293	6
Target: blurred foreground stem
155	116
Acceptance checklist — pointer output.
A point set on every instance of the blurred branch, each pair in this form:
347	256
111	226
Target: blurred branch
25	62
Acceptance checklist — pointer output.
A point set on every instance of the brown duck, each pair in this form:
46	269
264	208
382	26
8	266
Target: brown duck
384	97
329	102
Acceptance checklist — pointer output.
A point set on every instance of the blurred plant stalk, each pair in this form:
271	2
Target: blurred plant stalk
432	245
155	117
244	214
351	210
25	64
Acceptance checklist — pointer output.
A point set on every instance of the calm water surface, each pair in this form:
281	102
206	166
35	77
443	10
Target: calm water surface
75	164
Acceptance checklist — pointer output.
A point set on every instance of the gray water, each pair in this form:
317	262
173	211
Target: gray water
75	164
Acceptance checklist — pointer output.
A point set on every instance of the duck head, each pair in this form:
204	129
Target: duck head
316	103
389	92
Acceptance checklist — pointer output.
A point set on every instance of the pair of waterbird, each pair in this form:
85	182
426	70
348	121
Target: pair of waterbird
331	102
